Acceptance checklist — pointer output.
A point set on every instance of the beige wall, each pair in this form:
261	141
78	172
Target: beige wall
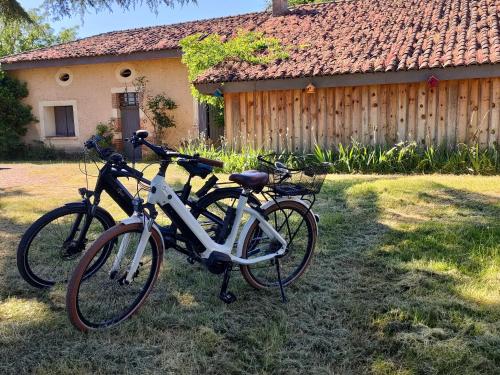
90	91
294	120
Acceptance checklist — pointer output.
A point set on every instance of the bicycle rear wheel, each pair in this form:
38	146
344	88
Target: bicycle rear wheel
297	225
104	299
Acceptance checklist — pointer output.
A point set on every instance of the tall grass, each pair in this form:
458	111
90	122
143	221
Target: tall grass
404	157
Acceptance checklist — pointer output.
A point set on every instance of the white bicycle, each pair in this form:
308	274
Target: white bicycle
272	243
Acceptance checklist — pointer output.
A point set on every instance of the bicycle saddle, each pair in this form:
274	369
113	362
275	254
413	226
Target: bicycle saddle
254	180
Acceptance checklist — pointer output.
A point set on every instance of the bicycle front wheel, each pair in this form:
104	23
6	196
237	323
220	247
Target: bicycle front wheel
104	299
49	251
297	225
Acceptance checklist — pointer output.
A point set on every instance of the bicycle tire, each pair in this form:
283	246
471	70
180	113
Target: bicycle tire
81	320
25	264
249	271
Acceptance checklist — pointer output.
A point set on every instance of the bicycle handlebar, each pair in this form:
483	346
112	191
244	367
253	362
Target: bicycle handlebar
168	153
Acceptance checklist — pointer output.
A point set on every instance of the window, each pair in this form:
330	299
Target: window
64	121
125	73
129	99
64	77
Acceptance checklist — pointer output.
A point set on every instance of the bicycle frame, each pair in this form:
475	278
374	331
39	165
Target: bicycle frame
162	194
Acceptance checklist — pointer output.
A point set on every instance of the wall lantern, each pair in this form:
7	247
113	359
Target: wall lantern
311	89
433	82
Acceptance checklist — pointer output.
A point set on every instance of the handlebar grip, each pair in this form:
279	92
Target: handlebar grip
211	162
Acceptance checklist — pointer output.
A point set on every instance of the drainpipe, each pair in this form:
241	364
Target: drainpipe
280	7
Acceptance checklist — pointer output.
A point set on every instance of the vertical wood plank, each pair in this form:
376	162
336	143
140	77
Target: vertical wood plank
330	119
402	112
274	126
422	113
473	132
484	111
251	134
495	114
373	114
347	115
243	120
442	111
383	123
431	115
282	120
462	120
289	120
339	116
306	121
365	115
258	127
314	120
236	122
411	127
297	121
356	114
392	114
228	119
266	121
452	120
322	115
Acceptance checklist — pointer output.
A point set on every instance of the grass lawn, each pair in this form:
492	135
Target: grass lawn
405	280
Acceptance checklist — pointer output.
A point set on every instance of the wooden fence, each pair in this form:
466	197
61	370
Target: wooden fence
465	111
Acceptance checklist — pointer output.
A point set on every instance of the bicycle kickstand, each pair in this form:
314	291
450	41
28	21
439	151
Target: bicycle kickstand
224	295
282	290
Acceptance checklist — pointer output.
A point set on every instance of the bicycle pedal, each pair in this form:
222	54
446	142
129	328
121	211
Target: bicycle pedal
227	297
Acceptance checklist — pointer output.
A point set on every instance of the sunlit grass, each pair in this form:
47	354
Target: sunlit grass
20	311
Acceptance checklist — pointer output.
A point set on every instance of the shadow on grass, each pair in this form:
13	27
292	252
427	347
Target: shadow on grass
443	316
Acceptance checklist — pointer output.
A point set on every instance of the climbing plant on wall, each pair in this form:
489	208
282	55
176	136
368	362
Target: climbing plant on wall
201	52
157	108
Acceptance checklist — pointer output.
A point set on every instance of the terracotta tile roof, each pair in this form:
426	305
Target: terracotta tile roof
351	36
362	36
155	38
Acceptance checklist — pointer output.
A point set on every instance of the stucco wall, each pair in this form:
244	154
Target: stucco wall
91	91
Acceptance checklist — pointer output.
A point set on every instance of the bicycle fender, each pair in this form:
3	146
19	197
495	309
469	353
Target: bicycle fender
138	220
249	223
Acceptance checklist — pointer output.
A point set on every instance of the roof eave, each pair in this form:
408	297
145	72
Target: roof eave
147	55
354	79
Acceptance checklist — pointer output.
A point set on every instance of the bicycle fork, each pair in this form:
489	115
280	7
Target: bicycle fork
139	252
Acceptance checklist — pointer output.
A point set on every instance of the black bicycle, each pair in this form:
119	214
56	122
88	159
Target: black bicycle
54	244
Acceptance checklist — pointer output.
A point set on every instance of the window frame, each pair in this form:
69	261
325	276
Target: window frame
47	121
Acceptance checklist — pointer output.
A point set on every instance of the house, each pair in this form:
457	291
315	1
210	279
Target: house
374	71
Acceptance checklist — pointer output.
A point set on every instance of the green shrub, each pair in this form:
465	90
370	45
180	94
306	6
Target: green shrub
39	151
14	115
105	131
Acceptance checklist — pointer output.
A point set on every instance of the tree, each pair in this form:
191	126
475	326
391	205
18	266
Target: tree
20	35
14	115
11	10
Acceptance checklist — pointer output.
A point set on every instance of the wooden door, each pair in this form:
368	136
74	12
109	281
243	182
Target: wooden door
130	119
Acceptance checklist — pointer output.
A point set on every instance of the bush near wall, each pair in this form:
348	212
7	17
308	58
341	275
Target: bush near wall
404	157
14	115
